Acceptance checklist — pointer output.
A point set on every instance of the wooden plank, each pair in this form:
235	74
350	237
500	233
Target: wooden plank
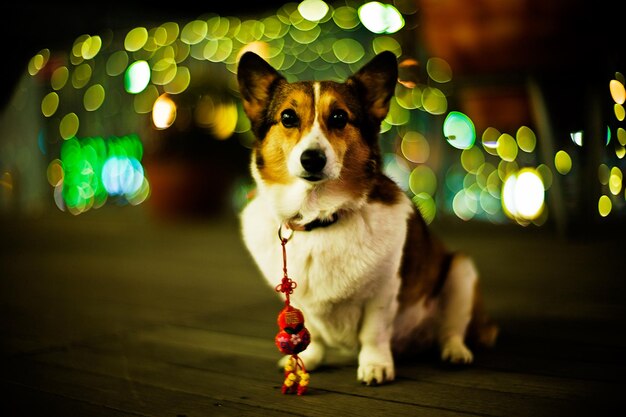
94	372
24	401
470	390
108	395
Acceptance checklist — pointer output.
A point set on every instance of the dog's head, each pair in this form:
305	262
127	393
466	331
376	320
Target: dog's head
317	132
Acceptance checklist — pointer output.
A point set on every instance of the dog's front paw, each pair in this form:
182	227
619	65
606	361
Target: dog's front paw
373	374
455	351
375	366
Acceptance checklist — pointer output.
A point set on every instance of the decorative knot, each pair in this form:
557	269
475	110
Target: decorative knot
286	286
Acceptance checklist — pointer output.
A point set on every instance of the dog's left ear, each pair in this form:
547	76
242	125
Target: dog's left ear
376	83
257	80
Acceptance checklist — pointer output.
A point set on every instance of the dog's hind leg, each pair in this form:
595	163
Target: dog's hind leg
456	305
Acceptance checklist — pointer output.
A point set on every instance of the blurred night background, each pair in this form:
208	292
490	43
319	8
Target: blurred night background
124	283
508	115
505	112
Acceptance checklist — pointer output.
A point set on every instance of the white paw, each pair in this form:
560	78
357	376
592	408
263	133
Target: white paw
375	366
375	374
455	351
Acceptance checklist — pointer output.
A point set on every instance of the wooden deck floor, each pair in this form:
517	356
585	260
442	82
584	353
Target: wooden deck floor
115	313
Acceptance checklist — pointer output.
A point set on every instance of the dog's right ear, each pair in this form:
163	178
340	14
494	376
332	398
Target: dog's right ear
257	80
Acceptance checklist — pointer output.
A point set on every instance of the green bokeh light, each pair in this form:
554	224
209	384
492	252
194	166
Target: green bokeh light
458	130
137	77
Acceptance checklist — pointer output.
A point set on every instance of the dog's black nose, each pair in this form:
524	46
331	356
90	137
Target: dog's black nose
313	160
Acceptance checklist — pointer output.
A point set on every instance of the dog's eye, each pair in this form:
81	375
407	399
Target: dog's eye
289	118
338	119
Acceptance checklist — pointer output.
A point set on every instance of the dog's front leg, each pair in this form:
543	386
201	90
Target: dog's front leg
375	358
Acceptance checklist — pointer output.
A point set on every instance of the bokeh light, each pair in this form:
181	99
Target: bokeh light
526	139
415	147
506	147
137	77
183	75
38	61
380	18
458	129
163	112
94	97
69	126
313	10
577	137
423	180
617	91
50	104
562	162
439	70
523	195
604	206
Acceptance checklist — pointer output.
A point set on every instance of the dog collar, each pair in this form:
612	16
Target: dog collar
315	224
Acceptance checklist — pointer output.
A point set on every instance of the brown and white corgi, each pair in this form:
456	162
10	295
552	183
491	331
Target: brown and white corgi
371	278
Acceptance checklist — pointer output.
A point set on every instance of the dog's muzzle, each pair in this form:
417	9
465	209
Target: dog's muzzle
313	161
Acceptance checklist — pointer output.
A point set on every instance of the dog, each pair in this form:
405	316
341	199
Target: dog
371	277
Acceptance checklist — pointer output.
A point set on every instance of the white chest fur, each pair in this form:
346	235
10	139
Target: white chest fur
337	268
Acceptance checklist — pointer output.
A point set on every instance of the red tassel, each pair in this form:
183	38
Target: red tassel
292	337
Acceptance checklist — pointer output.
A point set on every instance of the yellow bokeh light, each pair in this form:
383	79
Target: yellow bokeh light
136	39
50	104
117	63
348	50
163	71
526	139
604	206
617	91
346	17
618	109
225	120
397	115
621	136
81	76
464	205
94	97
506	147
90	47
523	195
615	181
55	172
423	180
562	162
490	140
69	126
434	101
180	82
313	10
386	43
163	112
59	78
38	61
172	30
415	147
472	159
439	70
194	32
